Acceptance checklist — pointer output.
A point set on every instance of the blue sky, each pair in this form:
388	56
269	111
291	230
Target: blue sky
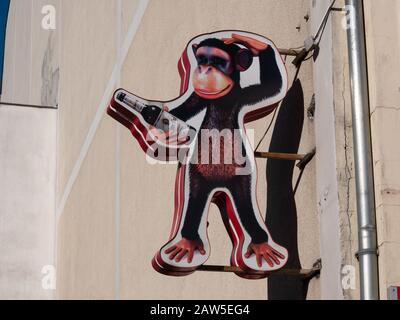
4	5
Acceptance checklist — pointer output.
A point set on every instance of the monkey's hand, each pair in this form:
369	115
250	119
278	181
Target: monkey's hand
185	247
255	46
163	136
170	137
264	250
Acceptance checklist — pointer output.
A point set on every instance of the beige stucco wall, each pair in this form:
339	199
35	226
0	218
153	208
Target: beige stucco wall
98	258
383	47
85	233
88	51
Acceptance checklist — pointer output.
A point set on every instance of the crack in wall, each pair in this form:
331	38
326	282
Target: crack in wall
385	108
347	166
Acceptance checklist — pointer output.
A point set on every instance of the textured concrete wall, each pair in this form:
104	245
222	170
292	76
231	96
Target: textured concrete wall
114	208
336	178
328	189
28	153
382	35
345	157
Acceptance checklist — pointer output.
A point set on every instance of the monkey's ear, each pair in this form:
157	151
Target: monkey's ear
195	47
243	59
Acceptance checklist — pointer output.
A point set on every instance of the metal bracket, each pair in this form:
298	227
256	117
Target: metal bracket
306	159
311	108
311	43
339	9
366	251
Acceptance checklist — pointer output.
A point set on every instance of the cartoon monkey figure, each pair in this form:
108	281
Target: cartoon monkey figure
228	78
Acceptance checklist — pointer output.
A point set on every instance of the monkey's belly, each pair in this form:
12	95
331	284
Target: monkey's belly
217	171
219	162
219	168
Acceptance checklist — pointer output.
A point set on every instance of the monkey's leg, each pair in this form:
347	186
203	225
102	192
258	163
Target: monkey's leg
255	249
195	211
247	208
189	247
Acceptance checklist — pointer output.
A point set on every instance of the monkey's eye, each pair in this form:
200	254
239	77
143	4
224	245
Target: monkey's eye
201	59
220	62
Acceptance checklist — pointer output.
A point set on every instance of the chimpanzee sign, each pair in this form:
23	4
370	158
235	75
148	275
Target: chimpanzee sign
228	78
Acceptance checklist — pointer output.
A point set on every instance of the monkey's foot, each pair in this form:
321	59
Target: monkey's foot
257	261
181	257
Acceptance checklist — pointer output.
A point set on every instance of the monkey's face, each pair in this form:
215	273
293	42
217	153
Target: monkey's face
212	77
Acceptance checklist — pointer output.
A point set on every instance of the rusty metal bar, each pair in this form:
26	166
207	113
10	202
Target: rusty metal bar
282	156
288	52
302	273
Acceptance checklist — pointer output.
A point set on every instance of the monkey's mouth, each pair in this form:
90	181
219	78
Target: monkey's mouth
215	93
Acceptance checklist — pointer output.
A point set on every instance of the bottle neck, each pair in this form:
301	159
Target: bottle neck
138	106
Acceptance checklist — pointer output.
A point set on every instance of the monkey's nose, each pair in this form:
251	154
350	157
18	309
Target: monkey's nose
205	69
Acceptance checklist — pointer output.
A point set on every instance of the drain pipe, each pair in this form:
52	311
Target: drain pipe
367	238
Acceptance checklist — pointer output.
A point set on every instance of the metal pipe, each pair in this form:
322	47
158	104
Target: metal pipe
367	238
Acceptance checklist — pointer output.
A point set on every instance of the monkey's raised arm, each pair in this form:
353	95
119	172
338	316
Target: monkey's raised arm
271	83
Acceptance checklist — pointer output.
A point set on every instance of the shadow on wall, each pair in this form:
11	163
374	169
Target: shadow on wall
281	217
